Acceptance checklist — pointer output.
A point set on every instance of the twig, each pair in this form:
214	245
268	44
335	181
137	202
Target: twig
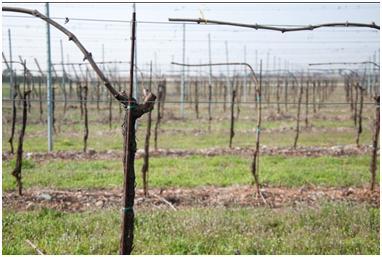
72	37
34	247
220	64
281	29
164	200
343	63
264	201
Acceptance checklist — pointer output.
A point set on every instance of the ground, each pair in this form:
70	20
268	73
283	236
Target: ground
202	200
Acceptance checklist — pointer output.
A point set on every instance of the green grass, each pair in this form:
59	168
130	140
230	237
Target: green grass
101	138
188	133
195	171
340	228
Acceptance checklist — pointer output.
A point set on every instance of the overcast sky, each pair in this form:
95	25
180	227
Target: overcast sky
162	42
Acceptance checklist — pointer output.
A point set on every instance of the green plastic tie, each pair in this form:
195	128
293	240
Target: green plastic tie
131	107
127	209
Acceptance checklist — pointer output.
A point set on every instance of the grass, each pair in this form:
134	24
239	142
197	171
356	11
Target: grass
340	228
188	133
177	135
195	171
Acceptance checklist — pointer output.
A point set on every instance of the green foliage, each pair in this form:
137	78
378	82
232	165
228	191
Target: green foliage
340	228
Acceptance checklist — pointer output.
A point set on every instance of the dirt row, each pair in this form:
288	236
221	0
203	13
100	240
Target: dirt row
177	198
313	151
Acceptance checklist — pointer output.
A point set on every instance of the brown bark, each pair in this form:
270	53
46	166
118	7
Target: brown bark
232	133
19	157
86	127
40	98
355	106
359	129
238	99
298	116
134	111
256	154
145	167
373	163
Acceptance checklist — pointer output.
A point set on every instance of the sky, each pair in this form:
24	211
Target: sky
160	41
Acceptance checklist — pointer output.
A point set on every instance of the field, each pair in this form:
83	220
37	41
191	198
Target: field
161	135
317	196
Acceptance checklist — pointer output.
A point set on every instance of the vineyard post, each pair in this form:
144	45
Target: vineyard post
41	78
359	129
232	133
127	233
314	96
239	88
49	84
298	112
13	102
85	104
63	77
355	104
228	75
286	94
209	83
11	85
307	102
278	93
183	72
160	95
196	98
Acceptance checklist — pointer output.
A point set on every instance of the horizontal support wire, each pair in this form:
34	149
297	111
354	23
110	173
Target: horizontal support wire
189	102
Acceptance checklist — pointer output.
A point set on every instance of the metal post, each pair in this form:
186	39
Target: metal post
62	64
256	61
127	235
183	71
136	91
11	86
209	76
245	75
103	57
227	60
49	85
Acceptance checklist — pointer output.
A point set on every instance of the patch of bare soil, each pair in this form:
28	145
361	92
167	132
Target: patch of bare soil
208	196
312	151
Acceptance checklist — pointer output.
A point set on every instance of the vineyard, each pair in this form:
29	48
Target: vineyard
212	157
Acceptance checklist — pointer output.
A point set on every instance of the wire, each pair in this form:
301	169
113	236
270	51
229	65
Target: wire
192	102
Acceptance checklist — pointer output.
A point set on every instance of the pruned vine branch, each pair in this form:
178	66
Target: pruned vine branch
344	63
280	29
220	64
72	37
